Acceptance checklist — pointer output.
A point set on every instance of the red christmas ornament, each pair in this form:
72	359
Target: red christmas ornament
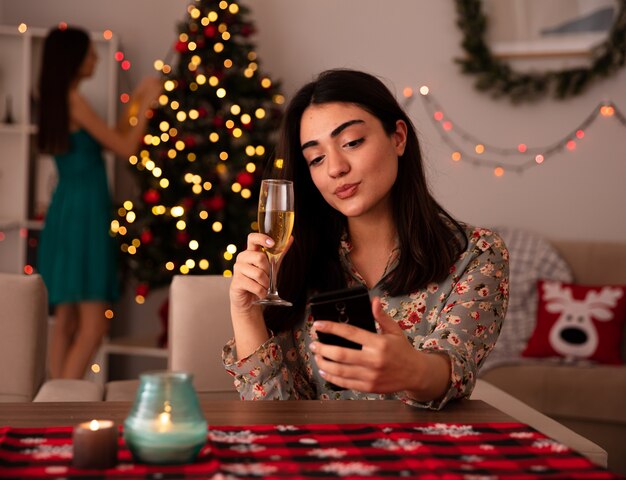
215	203
190	142
142	289
181	47
245	179
210	31
188	203
182	238
218	121
246	30
151	196
146	237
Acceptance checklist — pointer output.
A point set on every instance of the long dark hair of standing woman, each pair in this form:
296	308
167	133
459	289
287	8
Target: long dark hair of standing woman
430	239
63	53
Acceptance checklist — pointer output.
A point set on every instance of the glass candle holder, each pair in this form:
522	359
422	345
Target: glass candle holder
165	424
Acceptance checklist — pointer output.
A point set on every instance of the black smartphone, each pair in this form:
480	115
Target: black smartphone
349	305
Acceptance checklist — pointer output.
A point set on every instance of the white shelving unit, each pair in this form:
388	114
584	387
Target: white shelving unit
27	178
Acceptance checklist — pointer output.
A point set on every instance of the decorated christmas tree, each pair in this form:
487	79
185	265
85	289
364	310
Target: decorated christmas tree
200	167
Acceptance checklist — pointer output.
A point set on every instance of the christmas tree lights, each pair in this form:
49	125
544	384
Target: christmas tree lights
200	166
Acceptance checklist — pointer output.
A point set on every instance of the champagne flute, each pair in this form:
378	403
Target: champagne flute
275	219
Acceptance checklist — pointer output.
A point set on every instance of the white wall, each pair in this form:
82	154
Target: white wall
410	43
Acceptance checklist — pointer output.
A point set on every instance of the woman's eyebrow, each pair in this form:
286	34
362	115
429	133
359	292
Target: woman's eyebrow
334	133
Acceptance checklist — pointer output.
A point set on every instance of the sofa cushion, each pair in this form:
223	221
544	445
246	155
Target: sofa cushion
594	393
69	390
579	322
126	390
531	258
121	390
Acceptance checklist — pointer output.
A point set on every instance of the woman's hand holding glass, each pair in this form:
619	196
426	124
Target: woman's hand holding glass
255	269
251	272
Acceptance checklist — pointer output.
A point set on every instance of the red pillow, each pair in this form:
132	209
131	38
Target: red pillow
579	322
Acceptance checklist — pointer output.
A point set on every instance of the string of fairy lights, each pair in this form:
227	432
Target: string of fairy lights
468	148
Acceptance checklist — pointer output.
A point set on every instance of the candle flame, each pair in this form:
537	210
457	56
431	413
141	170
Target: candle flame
94	425
165	422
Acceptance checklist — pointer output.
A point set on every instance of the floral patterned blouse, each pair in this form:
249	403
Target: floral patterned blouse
461	316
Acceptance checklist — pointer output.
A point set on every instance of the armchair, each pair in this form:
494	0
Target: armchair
199	326
24	326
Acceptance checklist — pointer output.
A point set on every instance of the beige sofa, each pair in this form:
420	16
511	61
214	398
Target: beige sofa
590	400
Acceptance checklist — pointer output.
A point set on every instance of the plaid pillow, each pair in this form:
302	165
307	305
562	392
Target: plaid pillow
531	258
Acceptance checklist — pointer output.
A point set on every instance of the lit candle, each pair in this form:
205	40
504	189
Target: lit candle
163	440
95	444
165	424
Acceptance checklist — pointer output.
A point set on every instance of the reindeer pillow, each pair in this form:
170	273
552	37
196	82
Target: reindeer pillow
579	322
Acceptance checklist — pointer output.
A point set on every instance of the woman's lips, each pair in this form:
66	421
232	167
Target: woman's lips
346	191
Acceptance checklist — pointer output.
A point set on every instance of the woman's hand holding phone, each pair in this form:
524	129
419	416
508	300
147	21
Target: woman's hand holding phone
385	363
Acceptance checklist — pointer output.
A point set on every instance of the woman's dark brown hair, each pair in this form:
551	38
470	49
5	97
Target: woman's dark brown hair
430	239
63	53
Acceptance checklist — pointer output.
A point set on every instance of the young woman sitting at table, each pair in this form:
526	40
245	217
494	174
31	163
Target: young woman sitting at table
364	216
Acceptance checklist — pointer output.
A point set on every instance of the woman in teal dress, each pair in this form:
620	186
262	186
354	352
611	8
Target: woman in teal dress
77	256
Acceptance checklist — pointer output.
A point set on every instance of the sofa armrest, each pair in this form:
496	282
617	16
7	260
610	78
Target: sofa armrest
67	390
520	411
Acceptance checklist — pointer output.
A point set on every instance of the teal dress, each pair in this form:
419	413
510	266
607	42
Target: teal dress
77	257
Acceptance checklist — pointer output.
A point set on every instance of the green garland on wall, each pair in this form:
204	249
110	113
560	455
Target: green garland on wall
500	79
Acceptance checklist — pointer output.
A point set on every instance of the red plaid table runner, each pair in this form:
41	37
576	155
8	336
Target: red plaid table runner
485	451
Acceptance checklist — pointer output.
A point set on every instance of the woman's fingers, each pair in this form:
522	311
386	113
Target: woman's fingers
250	285
253	263
257	241
336	354
344	330
256	259
250	272
387	324
355	377
254	268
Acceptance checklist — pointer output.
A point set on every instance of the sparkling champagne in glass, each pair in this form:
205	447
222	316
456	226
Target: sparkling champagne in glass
275	220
